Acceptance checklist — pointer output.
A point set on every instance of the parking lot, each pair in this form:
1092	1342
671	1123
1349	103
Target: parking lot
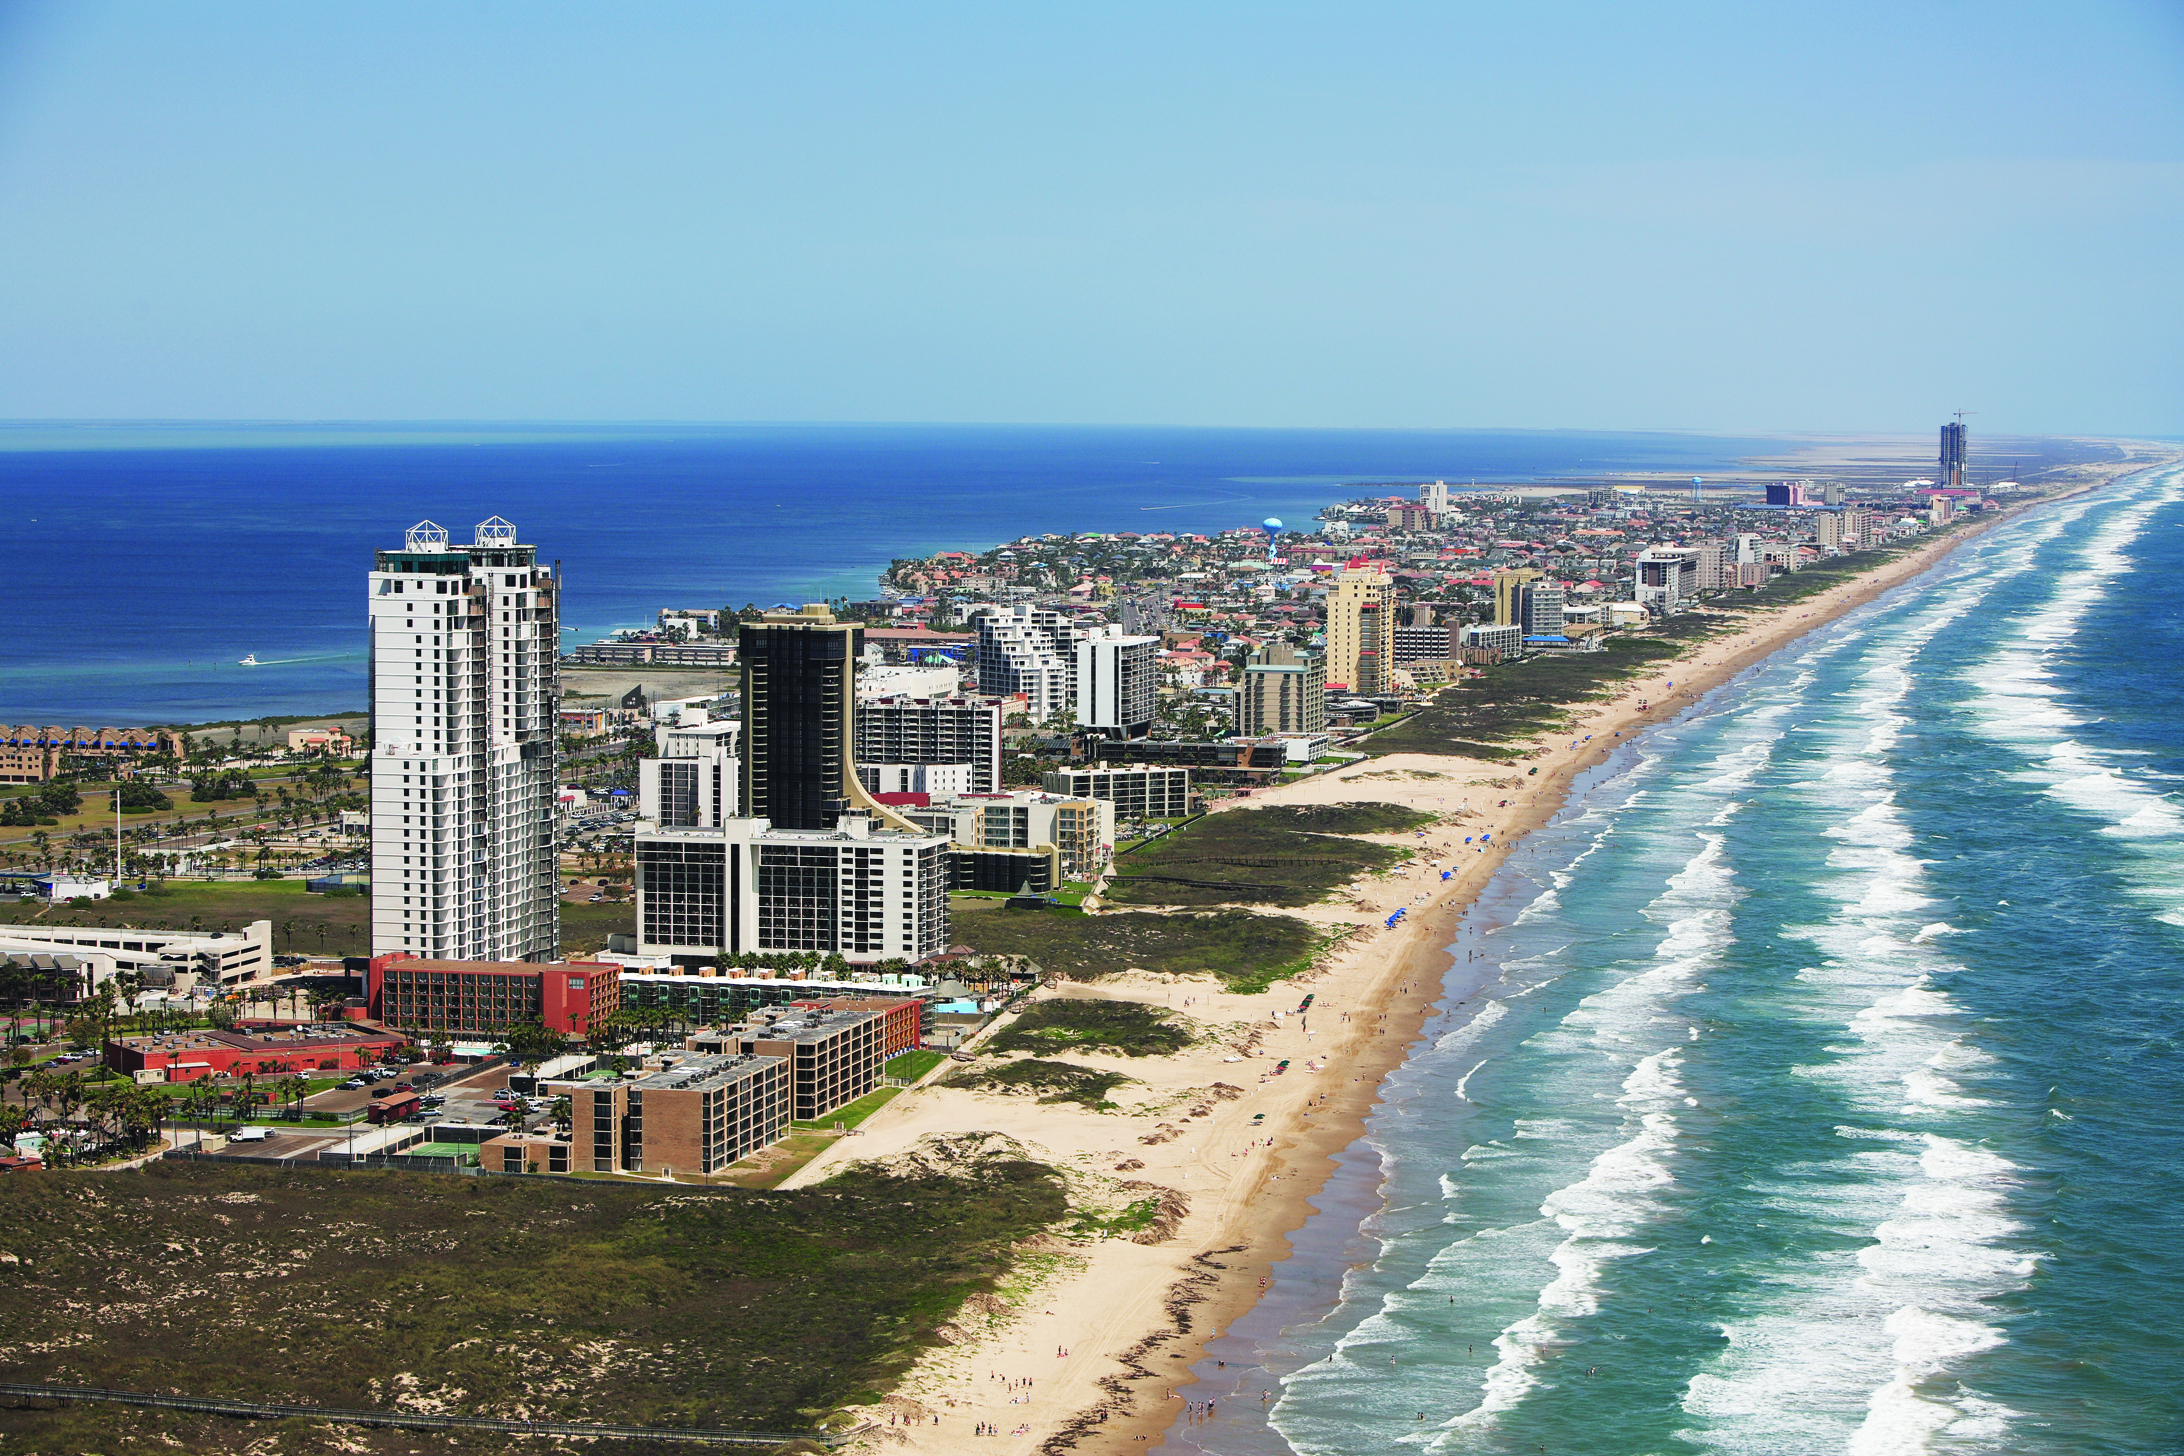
455	1094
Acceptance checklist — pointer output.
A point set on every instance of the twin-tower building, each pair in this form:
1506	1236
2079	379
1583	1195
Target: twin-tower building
464	714
774	846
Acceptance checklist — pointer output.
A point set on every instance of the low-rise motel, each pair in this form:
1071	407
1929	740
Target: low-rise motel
254	1049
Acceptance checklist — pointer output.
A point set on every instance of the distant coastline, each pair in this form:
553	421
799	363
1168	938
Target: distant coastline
1258	1168
251	542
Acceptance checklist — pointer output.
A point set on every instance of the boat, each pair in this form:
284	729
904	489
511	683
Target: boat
250	661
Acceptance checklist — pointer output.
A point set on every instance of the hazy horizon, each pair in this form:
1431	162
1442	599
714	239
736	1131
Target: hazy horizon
1716	219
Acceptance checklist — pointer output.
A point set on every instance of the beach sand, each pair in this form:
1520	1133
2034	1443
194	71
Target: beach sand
1111	1326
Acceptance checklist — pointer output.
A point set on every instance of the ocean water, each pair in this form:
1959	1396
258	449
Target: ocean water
1826	1087
145	562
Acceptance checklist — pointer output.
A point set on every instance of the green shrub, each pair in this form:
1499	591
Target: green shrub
723	1307
1057	1081
1239	946
1277	856
1130	1027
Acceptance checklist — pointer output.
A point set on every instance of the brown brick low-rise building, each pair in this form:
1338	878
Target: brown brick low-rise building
902	1024
699	1115
479	998
834	1057
522	1152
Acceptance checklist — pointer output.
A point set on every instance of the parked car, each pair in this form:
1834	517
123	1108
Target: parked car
401	1087
354	1082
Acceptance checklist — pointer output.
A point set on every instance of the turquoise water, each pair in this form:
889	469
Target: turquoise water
1824	1092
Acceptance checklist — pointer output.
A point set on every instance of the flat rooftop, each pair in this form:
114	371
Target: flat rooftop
704	1072
301	1039
795	1025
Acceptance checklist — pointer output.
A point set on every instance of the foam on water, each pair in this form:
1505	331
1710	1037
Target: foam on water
2019	704
1859	1352
1768	1091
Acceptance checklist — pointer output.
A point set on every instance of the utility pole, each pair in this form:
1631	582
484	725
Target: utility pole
117	836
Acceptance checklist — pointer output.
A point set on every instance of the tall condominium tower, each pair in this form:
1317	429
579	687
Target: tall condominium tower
1030	650
1952	455
1282	692
463	642
1361	629
927	732
1117	683
799	725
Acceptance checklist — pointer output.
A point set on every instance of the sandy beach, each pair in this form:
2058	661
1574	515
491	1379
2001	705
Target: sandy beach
1105	1329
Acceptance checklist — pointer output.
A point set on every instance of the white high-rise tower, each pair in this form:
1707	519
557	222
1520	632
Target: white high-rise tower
464	641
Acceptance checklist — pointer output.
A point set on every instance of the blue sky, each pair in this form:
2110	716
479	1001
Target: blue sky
1726	217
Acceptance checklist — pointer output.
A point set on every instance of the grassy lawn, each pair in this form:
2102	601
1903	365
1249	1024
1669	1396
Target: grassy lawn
1130	1027
773	1168
912	1065
1237	945
584	1301
850	1114
585	928
298	917
98	806
1277	856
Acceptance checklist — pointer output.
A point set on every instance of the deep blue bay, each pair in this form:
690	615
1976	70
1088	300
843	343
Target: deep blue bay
143	562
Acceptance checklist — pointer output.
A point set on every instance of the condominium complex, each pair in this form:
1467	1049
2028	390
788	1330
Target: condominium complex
1282	691
698	1115
833	1057
463	643
1488	637
1423	639
1079	828
799	698
1507	582
937	779
812	862
1361	629
481	998
1117	683
695	780
1029	650
946	730
865	893
1539	610
1666	578
1138	791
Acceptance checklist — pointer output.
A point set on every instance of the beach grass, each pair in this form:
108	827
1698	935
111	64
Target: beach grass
1292	855
1239	946
1051	1081
588	1300
1130	1027
1494	716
